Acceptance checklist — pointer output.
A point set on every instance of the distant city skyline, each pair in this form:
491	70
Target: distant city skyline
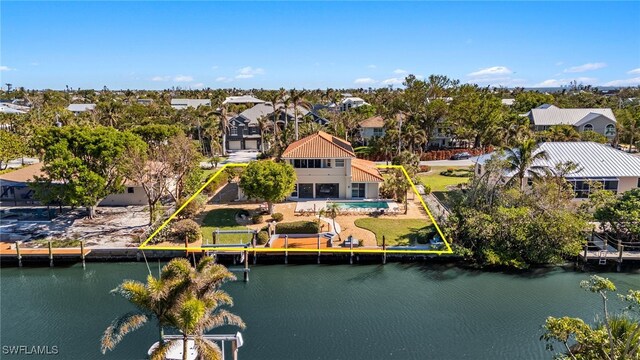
159	45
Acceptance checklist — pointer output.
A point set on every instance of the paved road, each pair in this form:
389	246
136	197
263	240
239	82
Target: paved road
452	163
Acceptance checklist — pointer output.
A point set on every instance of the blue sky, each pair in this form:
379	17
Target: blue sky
157	45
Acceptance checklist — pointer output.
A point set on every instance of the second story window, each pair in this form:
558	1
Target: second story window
234	131
588	127
339	163
378	132
610	130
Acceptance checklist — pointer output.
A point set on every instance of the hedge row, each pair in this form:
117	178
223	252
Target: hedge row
435	154
297	227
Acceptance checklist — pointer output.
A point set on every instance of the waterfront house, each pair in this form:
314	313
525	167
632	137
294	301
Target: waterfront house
371	127
181	104
615	170
601	121
80	108
244	99
327	167
15	190
351	102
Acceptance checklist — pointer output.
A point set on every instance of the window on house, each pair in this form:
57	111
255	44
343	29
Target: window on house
529	182
611	185
303	163
234	131
358	190
610	130
130	190
639	182
339	162
379	132
479	169
327	163
587	127
295	191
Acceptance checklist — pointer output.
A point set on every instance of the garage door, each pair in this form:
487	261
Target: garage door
235	145
251	144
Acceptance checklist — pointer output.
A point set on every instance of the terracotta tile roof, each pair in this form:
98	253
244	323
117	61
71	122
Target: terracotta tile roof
373	122
319	145
24	174
364	171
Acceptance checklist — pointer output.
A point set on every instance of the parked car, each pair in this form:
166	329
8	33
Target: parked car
461	156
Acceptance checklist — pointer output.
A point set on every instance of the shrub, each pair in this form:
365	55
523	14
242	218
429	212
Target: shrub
263	237
256	219
193	207
186	229
298	227
424	168
427	189
220	180
277	217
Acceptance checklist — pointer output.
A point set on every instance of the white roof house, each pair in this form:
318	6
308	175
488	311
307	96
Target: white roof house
180	104
244	99
596	162
508	102
351	102
78	108
7	110
602	121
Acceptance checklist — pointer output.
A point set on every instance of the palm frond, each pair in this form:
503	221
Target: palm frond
119	328
207	350
220	318
160	353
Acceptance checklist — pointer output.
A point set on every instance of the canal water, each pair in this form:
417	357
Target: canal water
396	311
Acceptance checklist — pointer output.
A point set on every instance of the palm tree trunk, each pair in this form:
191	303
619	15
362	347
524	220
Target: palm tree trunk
184	347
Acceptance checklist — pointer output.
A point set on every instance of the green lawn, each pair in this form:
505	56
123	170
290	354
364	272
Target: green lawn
397	231
223	219
439	182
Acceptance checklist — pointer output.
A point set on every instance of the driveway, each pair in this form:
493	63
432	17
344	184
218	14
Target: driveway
241	156
17	163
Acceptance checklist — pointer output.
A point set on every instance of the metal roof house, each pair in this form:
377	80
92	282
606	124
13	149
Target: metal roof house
244	99
616	170
180	104
599	120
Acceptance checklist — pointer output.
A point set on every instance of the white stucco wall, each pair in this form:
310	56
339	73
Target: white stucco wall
627	183
138	197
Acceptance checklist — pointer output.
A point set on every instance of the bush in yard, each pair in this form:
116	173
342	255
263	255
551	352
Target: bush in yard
186	229
427	189
193	207
263	237
298	227
277	217
256	219
424	168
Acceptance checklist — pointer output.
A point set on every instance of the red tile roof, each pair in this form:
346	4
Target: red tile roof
24	174
318	146
364	171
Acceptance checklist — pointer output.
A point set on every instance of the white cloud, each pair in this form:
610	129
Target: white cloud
364	81
372	66
497	81
248	72
198	85
160	78
420	77
559	63
393	81
183	78
634	71
625	82
585	67
491	71
5	68
223	79
214	67
399	71
562	82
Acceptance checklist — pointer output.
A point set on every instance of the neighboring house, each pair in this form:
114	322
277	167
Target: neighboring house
10	110
80	108
508	102
371	127
244	99
351	102
181	104
14	188
601	121
144	101
244	128
616	170
326	167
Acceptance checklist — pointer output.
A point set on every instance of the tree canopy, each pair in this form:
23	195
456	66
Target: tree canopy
268	180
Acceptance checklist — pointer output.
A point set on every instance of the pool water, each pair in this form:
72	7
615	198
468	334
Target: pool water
363	205
28	214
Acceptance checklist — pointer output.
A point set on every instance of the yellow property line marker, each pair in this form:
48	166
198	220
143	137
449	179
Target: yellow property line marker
144	245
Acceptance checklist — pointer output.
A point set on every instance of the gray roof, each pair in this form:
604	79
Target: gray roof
595	160
265	109
547	115
184	103
244	99
81	107
8	110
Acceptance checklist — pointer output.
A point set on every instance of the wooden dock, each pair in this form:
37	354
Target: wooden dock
605	249
18	252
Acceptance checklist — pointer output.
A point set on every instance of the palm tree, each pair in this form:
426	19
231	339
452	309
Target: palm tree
297	99
521	159
332	211
275	99
263	123
183	297
415	137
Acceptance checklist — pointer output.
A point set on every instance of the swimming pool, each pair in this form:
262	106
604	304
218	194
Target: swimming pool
362	204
